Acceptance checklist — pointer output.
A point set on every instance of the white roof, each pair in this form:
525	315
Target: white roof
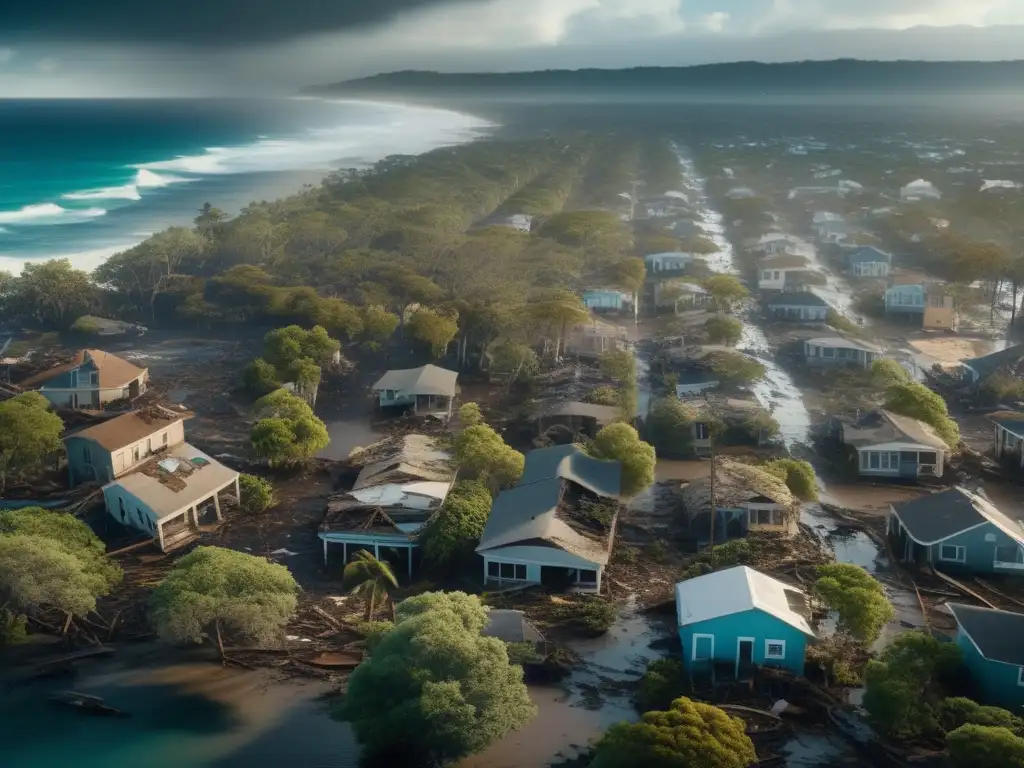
425	380
669	254
839	341
185	477
736	590
392	494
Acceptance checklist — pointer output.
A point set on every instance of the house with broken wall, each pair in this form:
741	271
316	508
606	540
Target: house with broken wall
91	379
747	499
556	526
401	485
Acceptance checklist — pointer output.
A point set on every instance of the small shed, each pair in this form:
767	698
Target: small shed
738	619
957	530
427	390
993	652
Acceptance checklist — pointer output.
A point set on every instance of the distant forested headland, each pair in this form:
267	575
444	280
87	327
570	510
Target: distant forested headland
740	77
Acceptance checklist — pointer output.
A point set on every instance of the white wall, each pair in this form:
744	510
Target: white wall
771	279
124	458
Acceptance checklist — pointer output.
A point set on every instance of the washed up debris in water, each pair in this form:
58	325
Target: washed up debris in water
284	552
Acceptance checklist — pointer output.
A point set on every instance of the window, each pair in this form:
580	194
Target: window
927	457
87	454
94	379
828	352
775	649
842	353
1010	554
952	553
513	571
776	275
588	576
873	460
777	517
164	438
74	379
135	453
700	430
492	569
936	301
389	394
813	351
766	275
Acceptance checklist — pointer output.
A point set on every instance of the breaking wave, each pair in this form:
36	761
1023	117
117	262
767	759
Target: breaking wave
49	213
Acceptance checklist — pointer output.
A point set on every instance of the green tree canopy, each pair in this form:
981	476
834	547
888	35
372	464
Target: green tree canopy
30	432
618	364
904	687
286	431
257	494
481	453
984	746
378	324
957	711
723	330
690	733
886	373
470	415
36	572
50	293
213	589
71	534
918	402
260	377
516	359
452	535
621	442
435	680
669	427
857	597
799	476
433	329
726	290
284	347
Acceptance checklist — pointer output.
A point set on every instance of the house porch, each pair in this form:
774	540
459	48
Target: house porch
179	526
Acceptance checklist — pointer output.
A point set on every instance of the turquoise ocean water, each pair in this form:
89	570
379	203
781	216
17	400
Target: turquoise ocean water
84	178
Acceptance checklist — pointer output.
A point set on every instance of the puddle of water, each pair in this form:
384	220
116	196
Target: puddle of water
346	435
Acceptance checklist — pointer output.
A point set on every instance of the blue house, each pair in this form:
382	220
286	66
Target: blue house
427	390
993	652
739	618
607	300
956	530
905	299
869	262
91	379
797	306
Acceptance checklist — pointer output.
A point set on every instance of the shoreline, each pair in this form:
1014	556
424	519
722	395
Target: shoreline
271	167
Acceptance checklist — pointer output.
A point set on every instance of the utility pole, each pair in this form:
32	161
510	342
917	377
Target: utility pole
711	440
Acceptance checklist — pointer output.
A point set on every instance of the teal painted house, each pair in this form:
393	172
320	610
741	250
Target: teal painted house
427	390
993	645
956	530
738	619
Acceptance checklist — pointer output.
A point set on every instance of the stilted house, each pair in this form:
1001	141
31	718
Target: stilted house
425	391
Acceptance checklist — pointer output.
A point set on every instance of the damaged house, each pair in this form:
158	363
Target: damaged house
402	483
556	526
746	499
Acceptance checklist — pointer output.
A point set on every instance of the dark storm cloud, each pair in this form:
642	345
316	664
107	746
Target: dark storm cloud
192	22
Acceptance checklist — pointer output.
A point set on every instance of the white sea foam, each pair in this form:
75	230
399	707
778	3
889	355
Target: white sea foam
48	213
87	260
145	179
126	192
398	130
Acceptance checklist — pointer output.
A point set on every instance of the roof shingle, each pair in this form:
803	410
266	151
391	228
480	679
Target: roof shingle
937	516
997	634
113	371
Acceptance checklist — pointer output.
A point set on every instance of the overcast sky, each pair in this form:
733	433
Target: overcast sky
131	47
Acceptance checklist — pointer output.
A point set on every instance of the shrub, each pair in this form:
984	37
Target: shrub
663	682
957	711
260	377
603	395
799	476
723	330
857	597
594	615
257	494
982	746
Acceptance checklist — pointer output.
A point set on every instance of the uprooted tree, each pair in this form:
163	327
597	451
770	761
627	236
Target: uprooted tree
481	453
857	598
620	442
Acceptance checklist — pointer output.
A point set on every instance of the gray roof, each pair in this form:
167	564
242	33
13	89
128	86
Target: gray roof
878	427
529	513
868	255
425	380
842	341
1011	421
604	414
510	626
938	516
797	299
988	363
603	478
997	634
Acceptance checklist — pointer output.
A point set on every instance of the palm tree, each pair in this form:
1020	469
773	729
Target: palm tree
368	577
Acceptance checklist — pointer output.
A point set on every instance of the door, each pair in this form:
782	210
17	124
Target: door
703	647
74	400
744	655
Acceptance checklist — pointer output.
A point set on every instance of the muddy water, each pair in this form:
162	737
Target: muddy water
346	435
